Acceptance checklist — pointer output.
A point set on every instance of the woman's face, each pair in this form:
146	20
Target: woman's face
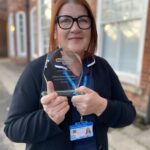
75	39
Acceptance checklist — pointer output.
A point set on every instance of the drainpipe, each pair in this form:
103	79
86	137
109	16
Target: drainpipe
27	10
148	111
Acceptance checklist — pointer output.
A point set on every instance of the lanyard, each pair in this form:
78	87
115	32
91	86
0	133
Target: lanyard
72	82
74	85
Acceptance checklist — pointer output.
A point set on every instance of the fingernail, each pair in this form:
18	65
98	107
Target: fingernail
83	93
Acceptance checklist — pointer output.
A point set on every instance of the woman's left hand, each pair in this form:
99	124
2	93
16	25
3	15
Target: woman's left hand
89	102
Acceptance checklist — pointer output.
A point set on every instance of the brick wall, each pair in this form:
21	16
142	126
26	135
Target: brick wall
3	29
15	5
3	38
145	78
3	15
33	3
138	96
3	10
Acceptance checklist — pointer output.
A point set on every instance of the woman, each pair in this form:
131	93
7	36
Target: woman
48	122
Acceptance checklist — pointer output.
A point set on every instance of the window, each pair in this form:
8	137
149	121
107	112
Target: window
120	45
11	29
33	31
21	34
44	17
122	36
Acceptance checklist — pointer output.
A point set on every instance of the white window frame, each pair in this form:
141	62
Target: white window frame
19	52
41	45
11	29
34	43
125	77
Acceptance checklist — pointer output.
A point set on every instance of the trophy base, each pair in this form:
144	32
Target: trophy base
62	93
66	93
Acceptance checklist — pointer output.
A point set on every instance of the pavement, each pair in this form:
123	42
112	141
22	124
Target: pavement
128	138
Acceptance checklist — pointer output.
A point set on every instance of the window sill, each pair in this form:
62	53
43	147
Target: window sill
130	83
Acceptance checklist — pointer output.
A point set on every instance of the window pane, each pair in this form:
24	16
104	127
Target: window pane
129	35
33	31
35	49
45	23
121	45
20	16
21	22
45	13
21	30
110	42
121	9
22	46
45	40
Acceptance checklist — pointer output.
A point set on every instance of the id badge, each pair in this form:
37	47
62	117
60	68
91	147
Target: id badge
81	130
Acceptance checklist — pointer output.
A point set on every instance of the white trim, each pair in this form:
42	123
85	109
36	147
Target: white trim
32	31
19	52
92	63
11	30
39	29
99	29
60	67
120	21
126	77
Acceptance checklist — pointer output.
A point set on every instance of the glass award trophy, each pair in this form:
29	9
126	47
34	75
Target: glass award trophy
64	69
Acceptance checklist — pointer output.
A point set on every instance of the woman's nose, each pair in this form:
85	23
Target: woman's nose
75	27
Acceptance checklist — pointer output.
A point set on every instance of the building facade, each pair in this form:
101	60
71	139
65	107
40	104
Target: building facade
3	29
123	40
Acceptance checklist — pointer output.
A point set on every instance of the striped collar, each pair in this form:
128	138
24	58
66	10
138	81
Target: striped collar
88	62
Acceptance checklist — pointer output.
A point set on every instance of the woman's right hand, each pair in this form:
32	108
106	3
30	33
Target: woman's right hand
55	106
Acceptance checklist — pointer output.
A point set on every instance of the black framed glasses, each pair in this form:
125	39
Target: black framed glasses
66	22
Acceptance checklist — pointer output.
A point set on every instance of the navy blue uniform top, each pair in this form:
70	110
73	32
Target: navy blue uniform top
28	123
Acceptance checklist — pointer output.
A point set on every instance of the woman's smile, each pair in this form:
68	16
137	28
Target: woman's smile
75	39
